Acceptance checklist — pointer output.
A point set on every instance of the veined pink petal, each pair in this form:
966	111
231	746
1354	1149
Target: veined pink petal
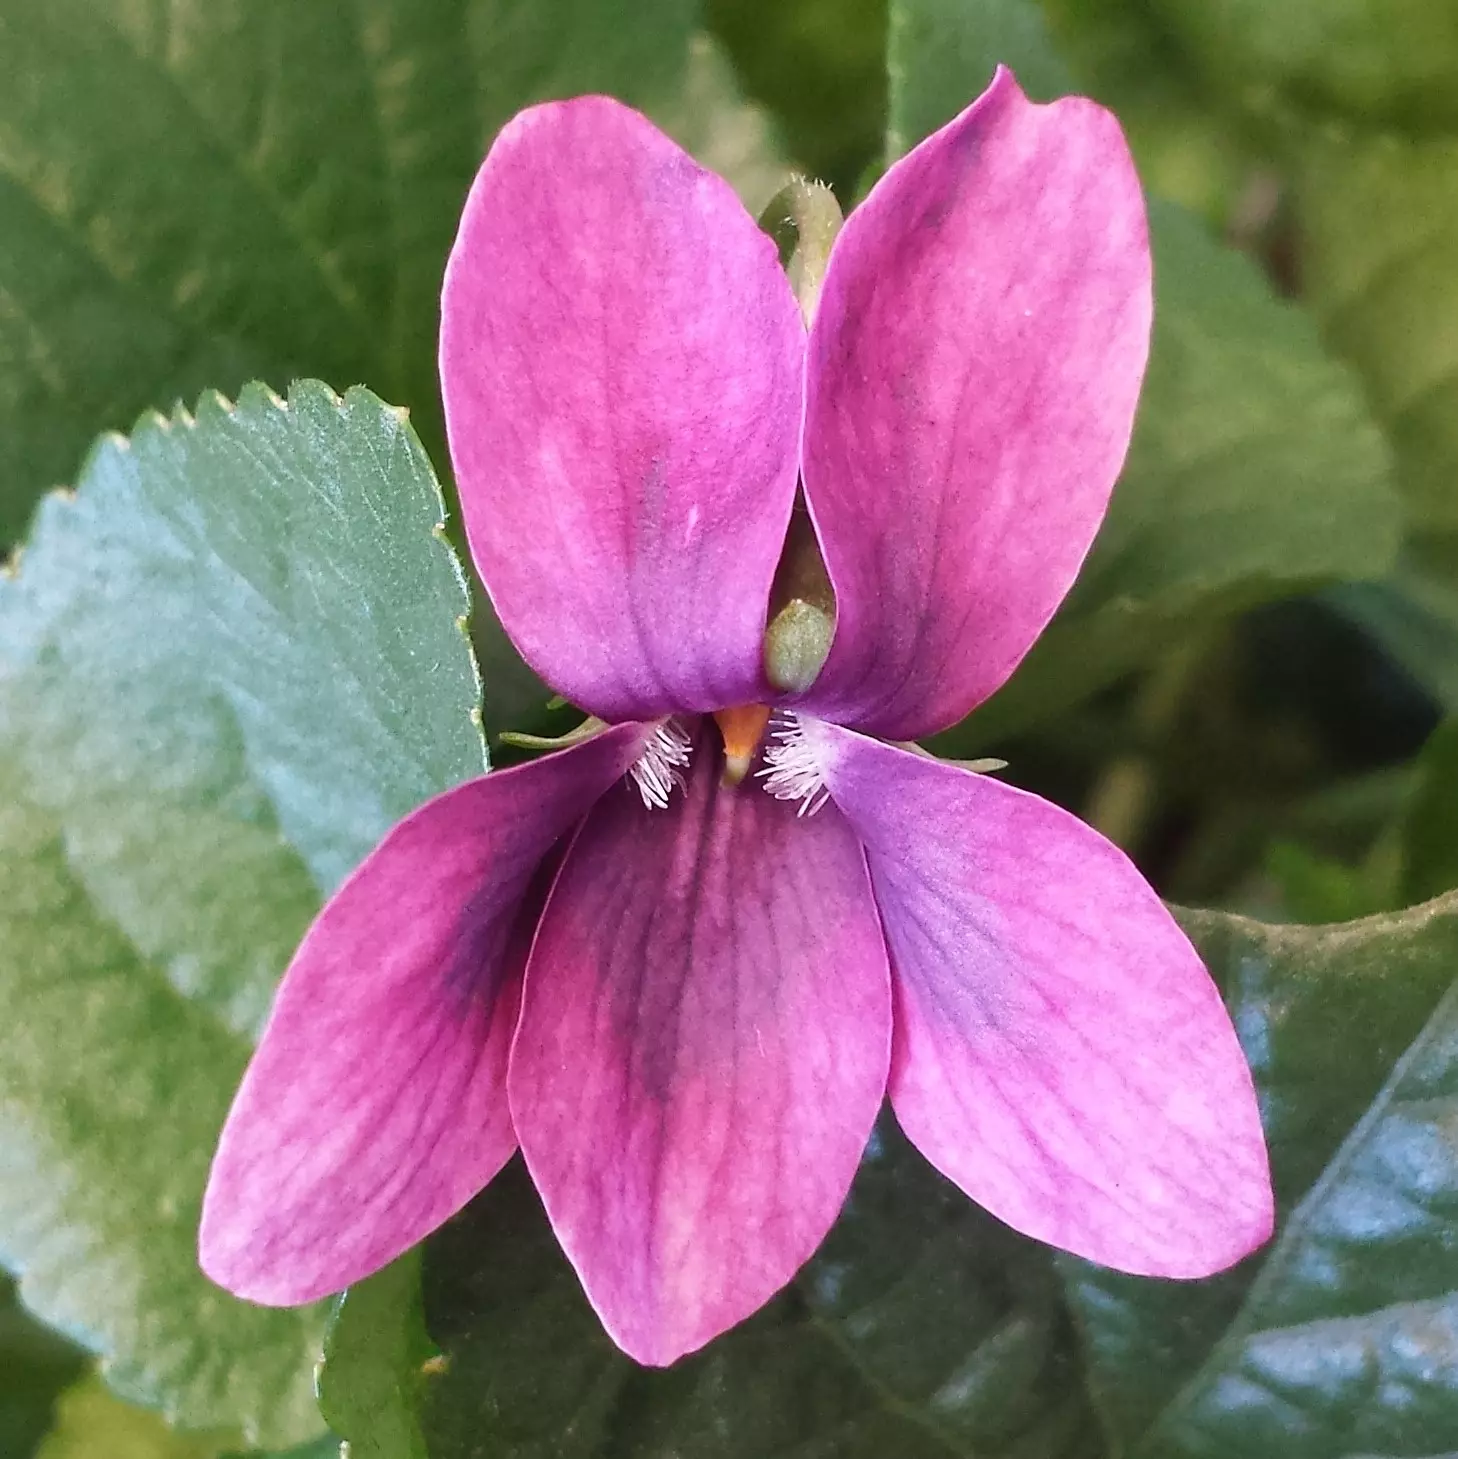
1060	1051
622	358
971	383
702	1052
375	1106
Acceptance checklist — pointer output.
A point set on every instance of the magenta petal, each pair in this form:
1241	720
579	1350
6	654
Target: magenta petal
375	1105
622	360
1060	1051
703	1048
971	384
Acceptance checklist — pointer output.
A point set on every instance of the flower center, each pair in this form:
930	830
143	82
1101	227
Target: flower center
741	728
791	770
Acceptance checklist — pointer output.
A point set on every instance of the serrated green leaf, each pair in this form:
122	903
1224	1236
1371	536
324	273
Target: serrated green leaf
1255	468
193	195
227	664
922	1329
1337	1338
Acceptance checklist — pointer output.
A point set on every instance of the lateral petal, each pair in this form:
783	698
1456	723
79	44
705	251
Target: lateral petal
622	360
702	1052
1060	1052
375	1105
971	382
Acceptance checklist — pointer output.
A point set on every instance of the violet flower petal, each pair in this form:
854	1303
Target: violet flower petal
375	1105
702	1052
622	359
1060	1052
972	376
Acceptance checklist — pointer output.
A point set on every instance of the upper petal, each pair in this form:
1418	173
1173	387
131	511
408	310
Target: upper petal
1060	1051
971	383
702	1052
375	1105
621	358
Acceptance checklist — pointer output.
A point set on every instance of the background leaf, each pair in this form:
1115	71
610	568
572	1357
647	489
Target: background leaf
1389	61
819	66
91	1423
1379	218
227	664
193	195
1255	469
1429	845
35	1367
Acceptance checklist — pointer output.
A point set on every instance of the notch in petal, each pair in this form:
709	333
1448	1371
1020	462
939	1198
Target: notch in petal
375	1106
702	1052
621	358
971	383
1060	1051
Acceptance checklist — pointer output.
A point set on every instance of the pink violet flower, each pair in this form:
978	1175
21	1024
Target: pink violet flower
686	1004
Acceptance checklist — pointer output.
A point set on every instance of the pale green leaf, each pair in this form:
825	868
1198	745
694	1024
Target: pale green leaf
228	663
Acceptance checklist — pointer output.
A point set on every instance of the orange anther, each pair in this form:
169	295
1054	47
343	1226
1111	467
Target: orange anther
741	728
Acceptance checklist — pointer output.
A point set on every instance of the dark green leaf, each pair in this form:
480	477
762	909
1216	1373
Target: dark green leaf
1413	613
192	195
377	1360
35	1366
922	1329
1430	826
1340	1337
230	661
